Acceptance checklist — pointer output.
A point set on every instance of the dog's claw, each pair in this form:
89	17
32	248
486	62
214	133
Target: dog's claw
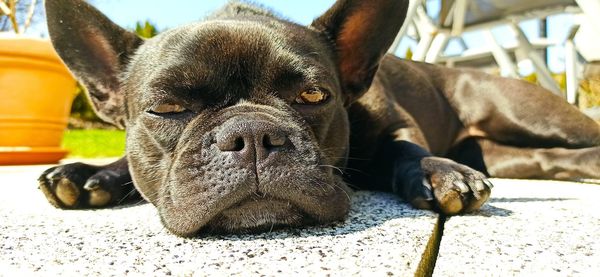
479	185
421	194
92	184
427	190
428	194
461	186
426	184
49	177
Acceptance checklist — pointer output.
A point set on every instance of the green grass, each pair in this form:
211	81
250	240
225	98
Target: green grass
94	143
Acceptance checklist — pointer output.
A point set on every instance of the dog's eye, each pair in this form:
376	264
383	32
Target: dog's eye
312	97
167	109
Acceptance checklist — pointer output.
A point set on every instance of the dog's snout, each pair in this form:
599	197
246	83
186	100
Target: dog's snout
251	138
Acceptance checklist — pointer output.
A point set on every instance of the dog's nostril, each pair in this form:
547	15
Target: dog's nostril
238	144
212	139
231	143
273	140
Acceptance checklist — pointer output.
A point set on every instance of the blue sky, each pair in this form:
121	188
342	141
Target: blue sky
171	13
166	14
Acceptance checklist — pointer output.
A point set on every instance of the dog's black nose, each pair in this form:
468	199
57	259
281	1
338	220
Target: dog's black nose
253	139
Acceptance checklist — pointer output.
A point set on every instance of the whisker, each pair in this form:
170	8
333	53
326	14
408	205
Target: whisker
140	202
354	170
127	183
348	158
331	166
332	186
127	195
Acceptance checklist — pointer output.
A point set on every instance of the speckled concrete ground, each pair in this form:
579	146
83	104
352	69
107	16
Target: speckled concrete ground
528	227
541	228
382	235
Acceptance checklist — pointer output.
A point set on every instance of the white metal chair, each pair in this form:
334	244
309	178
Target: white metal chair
459	16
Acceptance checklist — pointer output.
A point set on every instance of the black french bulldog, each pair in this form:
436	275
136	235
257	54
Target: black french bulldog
244	121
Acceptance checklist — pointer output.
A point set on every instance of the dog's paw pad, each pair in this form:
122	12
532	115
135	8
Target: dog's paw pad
98	197
67	192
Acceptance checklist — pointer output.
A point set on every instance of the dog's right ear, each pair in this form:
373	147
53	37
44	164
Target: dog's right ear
95	50
360	32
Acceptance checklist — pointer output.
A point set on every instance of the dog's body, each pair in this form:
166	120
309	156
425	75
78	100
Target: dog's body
245	122
503	127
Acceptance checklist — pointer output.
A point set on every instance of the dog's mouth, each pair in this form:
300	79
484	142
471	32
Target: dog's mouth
244	210
258	214
239	208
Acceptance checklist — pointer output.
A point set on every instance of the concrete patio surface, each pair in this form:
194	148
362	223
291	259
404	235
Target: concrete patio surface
544	228
528	227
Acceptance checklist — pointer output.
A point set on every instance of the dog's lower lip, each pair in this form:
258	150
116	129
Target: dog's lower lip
257	214
260	200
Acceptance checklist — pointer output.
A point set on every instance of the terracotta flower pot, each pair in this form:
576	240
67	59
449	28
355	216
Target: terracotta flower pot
36	91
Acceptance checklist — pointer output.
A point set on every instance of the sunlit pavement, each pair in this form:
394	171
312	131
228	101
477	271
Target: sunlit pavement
528	227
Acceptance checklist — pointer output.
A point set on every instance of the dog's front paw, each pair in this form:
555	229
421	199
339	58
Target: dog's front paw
456	188
80	186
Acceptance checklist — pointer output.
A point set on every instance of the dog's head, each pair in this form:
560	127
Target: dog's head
238	122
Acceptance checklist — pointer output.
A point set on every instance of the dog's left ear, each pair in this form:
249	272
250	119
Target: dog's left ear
96	51
362	31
